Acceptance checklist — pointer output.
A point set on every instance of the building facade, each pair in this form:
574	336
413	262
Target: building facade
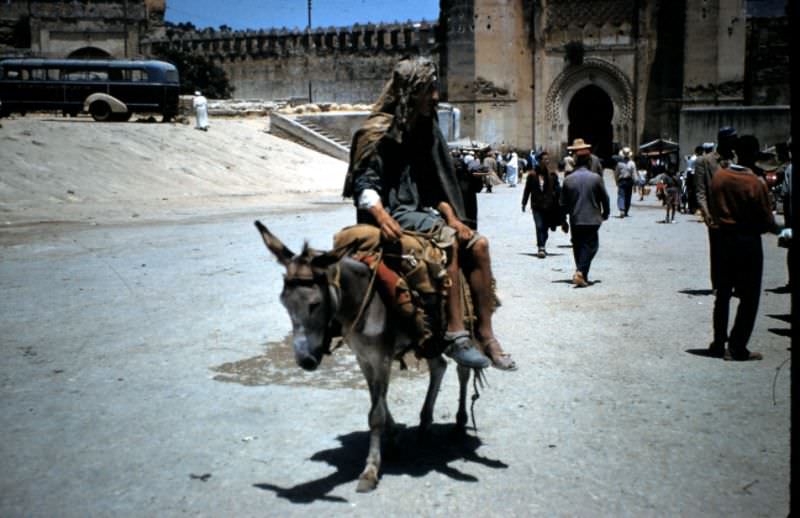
525	73
79	28
540	73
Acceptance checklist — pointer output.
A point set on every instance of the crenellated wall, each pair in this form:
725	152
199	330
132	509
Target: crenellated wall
348	65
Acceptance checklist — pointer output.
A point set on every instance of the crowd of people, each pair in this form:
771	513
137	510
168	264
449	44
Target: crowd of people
403	177
726	184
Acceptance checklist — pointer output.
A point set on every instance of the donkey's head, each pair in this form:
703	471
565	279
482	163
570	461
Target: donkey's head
308	297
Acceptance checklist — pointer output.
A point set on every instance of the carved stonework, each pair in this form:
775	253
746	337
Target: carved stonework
593	71
485	87
714	91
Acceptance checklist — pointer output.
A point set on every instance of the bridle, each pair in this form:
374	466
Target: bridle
329	282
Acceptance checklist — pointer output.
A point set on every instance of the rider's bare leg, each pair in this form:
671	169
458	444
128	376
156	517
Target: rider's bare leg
477	266
455	311
460	348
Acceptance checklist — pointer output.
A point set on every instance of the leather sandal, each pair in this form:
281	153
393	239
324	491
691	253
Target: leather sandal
500	360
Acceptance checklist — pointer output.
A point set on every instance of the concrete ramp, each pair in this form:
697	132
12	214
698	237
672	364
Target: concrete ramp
309	134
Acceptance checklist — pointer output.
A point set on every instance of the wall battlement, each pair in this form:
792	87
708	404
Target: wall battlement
271	43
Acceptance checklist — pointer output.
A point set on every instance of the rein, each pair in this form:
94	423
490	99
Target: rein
367	296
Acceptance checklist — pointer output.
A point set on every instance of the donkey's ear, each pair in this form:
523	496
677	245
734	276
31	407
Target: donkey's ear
328	258
278	249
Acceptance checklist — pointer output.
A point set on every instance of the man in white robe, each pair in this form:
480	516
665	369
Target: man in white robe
200	105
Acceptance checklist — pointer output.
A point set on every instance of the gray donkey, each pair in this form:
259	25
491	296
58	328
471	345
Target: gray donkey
322	288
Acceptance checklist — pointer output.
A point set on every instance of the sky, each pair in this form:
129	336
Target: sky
266	14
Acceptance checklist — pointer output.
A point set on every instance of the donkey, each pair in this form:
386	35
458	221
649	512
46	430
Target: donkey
325	288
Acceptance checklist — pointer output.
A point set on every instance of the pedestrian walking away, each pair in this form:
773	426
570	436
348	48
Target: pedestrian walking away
584	198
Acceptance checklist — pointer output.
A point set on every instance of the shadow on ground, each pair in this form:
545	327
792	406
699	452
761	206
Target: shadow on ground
533	254
409	456
703	352
780	289
696	293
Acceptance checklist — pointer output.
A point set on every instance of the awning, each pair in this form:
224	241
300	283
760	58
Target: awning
658	147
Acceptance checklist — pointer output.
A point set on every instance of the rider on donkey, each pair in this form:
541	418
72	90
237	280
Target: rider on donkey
401	177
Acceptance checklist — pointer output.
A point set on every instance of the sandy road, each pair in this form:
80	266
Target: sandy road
139	358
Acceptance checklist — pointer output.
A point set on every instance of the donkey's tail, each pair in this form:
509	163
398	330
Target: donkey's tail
478	380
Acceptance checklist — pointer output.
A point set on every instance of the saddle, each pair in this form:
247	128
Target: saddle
411	278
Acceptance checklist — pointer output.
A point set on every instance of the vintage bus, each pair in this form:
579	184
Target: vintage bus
108	89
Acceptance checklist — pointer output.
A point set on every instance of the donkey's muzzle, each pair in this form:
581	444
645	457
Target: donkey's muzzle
303	354
308	363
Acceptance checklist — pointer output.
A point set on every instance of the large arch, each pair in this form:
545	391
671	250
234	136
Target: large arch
89	53
603	75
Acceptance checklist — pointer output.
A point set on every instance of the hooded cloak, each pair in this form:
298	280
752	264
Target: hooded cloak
390	127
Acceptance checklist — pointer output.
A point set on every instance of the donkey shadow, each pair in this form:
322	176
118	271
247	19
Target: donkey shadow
409	455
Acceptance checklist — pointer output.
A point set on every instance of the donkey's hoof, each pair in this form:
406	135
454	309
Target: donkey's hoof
368	480
365	485
461	422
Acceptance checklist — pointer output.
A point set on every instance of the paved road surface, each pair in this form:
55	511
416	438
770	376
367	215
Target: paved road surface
143	374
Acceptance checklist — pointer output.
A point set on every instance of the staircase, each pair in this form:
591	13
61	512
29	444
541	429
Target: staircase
330	133
304	131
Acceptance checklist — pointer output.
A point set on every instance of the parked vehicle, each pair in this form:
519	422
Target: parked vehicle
107	89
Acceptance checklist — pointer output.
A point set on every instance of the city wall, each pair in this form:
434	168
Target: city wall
341	65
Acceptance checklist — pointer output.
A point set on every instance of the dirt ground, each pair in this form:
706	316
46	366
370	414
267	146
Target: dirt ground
144	366
76	170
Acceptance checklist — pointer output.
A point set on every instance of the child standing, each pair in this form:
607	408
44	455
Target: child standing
672	194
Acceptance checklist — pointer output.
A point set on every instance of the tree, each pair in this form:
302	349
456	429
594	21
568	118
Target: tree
197	73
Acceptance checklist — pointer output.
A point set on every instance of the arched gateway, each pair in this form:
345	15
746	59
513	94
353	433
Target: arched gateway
593	101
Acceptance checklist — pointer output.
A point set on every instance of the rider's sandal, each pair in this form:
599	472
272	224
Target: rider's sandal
500	360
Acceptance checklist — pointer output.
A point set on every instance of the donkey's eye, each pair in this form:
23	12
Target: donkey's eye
313	307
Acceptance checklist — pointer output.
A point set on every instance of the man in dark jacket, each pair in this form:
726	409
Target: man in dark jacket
584	198
543	189
401	177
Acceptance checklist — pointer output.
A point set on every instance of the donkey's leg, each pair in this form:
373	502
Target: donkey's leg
436	366
377	373
463	385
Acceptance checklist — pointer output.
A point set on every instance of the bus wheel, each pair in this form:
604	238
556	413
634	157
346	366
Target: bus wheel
167	117
101	111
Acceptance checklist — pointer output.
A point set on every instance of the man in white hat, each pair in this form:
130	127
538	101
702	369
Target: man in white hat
625	176
200	105
584	198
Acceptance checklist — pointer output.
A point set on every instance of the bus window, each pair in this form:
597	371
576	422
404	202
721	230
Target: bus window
44	74
138	75
98	75
11	73
74	75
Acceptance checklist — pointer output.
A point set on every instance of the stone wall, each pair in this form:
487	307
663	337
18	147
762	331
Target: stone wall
57	29
341	65
770	124
767	64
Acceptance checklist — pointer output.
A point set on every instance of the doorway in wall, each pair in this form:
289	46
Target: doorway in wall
590	112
